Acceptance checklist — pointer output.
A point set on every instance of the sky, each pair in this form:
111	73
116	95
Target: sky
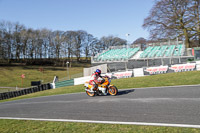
97	17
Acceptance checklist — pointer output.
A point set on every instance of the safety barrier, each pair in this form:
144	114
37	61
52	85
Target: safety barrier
7	95
64	83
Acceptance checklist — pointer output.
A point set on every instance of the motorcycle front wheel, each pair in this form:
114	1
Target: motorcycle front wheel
91	94
112	90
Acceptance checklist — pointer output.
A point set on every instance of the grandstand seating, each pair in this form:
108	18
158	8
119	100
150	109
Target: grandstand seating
169	51
146	52
150	52
117	54
162	51
154	51
178	50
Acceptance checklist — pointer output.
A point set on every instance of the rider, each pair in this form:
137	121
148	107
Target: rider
94	79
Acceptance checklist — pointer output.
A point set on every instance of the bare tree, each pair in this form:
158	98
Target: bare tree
7	37
111	41
17	39
1	45
195	13
171	18
90	41
57	43
24	38
19	42
79	39
140	40
45	41
68	44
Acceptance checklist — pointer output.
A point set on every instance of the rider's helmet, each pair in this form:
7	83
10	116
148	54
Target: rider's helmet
98	72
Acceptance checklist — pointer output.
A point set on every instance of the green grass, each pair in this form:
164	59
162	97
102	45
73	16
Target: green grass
22	126
170	79
11	76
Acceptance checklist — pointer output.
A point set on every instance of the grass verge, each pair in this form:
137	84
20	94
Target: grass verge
11	75
23	126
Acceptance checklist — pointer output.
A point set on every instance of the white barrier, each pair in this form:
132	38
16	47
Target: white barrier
81	80
118	75
126	74
157	70
89	71
198	65
138	72
183	67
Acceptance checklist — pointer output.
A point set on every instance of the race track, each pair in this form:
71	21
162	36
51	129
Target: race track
172	105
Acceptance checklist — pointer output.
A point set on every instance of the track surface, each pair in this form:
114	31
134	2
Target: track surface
173	105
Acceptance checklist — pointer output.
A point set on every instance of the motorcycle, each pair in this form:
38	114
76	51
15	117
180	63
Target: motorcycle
103	87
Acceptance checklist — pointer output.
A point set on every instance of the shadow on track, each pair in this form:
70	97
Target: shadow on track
124	92
120	92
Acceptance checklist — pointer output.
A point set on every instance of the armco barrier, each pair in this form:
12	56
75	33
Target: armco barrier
7	95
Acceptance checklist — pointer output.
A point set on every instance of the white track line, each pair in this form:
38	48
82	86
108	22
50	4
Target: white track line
107	122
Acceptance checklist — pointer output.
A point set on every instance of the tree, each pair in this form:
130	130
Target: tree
68	43
95	47
79	40
195	12
171	18
111	41
24	37
44	36
90	46
17	39
6	29
31	43
140	40
19	42
1	45
58	39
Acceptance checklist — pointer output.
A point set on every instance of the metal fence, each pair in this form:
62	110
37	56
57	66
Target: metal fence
64	83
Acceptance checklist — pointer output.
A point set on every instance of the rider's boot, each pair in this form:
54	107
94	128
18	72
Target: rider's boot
92	89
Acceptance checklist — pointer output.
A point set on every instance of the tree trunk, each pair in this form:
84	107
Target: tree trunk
187	40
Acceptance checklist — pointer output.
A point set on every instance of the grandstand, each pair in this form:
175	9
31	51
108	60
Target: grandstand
163	51
117	54
129	58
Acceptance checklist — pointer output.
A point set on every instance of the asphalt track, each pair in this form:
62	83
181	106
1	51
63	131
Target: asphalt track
171	105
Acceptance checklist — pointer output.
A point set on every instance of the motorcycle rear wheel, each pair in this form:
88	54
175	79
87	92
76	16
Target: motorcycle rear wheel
112	90
91	94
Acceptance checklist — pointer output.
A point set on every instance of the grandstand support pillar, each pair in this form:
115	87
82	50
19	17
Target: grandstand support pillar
162	62
147	63
170	60
179	58
126	63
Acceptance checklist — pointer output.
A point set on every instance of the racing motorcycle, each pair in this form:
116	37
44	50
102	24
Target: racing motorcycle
103	87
